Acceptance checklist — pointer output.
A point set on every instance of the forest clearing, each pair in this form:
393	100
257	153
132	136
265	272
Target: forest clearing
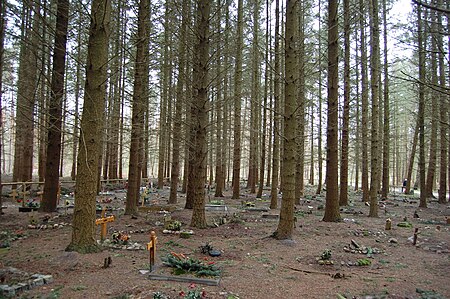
224	149
385	263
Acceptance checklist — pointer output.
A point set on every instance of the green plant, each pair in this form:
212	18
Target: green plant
159	295
183	264
193	293
326	255
174	225
364	262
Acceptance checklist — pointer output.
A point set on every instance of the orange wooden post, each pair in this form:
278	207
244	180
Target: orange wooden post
103	221
151	247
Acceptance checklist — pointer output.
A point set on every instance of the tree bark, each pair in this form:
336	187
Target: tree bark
138	107
375	88
51	184
365	106
199	119
286	224
237	103
386	110
175	172
343	196
276	114
421	112
83	225
332	196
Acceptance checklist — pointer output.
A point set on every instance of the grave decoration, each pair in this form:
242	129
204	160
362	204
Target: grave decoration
103	221
354	247
325	258
209	249
151	247
120	238
182	264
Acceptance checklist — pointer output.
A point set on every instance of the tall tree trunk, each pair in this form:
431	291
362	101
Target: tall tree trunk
432	157
300	113
286	224
386	114
77	98
411	158
343	196
442	115
365	106
139	103
51	184
421	112
164	100
375	88
276	114
199	119
237	102
332	195
319	129
175	172
83	225
264	120
2	50
357	117
26	91
255	102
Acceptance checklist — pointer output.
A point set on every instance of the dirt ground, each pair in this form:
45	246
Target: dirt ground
253	264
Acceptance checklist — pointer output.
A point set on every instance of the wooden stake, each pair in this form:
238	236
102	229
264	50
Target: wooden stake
416	232
151	247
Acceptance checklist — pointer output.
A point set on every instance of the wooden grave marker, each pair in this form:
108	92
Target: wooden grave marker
151	247
103	220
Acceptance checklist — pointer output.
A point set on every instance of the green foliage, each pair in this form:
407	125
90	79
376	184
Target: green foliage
159	295
326	255
184	265
405	224
364	262
174	225
424	294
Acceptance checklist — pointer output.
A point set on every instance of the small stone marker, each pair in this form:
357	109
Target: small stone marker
388	224
151	247
103	221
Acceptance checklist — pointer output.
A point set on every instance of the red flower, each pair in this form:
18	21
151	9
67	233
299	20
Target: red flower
182	294
203	294
192	286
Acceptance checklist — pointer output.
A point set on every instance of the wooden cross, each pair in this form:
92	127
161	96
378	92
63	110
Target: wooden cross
151	247
14	194
103	221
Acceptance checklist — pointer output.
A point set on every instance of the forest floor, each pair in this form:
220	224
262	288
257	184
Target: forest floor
367	261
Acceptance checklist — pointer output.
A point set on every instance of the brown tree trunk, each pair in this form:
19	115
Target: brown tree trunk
264	119
51	184
237	103
442	115
2	48
26	88
319	129
300	113
276	114
386	114
375	88
175	172
365	106
199	119
421	112
432	157
343	196
83	225
332	196
286	224
139	103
